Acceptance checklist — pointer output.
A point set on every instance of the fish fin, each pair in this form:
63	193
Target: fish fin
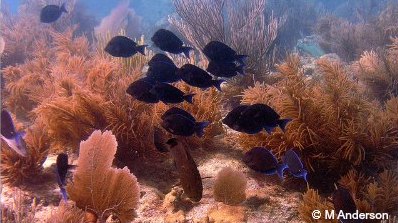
283	122
189	98
141	49
199	127
72	167
269	129
63	8
22	134
186	50
240	69
20	145
280	169
64	194
217	84
242	59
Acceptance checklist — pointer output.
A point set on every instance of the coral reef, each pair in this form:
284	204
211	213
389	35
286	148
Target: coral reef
349	40
18	211
16	170
66	213
230	186
379	71
100	188
334	126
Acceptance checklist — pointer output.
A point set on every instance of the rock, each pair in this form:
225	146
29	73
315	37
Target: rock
223	213
175	217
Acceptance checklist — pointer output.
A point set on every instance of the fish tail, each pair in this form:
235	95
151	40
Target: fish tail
217	84
269	129
63	193
199	128
283	122
189	98
280	169
63	9
141	49
240	69
242	59
20	144
186	50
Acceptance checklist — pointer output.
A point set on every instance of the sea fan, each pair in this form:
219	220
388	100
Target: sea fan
97	186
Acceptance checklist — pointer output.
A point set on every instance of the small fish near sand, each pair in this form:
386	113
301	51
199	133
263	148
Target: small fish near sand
162	69
51	13
121	46
262	160
62	170
219	52
179	122
197	77
13	138
169	42
254	118
294	164
140	90
225	69
190	178
169	94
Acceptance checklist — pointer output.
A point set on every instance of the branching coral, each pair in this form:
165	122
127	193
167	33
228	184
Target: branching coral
349	40
241	24
379	72
99	187
313	201
66	213
333	125
15	169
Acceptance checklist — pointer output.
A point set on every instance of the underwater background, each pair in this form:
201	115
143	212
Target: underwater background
209	110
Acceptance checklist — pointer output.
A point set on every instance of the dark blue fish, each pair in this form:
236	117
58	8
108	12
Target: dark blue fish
177	122
197	77
232	118
121	46
293	162
262	160
13	138
261	115
51	13
162	69
141	90
169	42
169	94
254	118
220	52
62	170
225	69
159	140
343	201
160	57
179	111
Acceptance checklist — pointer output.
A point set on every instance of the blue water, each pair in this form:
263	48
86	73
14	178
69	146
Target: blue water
100	8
